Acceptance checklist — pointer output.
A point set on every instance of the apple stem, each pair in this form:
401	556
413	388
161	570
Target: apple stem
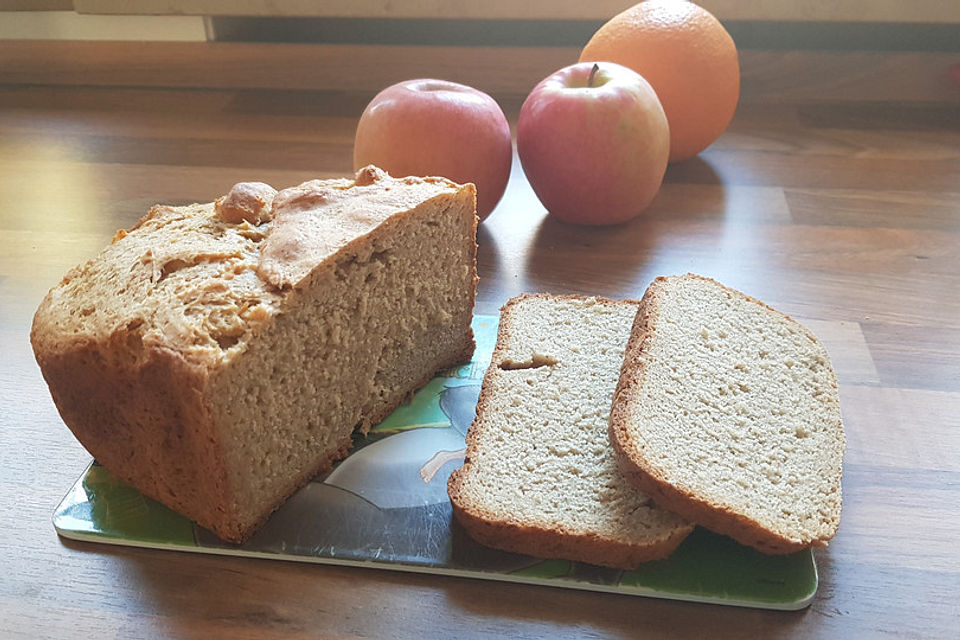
593	73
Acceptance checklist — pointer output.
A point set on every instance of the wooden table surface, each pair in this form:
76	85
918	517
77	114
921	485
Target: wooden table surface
844	214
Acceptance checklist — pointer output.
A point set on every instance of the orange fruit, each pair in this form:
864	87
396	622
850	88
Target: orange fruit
689	59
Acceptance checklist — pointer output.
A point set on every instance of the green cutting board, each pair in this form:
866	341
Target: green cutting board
385	506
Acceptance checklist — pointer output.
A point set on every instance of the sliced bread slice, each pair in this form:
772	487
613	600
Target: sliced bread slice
727	412
540	476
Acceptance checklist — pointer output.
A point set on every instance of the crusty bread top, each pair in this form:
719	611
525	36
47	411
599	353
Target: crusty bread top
540	475
728	412
197	280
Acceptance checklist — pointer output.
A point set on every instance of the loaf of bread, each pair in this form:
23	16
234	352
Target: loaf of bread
727	412
540	476
217	356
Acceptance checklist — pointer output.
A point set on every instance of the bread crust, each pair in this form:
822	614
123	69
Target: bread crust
126	412
144	409
634	465
513	535
487	529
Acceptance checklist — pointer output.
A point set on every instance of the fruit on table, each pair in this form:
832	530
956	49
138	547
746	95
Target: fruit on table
593	141
428	127
687	56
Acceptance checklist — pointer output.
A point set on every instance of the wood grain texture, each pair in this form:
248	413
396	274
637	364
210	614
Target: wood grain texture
843	213
784	76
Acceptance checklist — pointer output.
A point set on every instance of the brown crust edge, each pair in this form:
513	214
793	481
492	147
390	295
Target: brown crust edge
635	467
509	535
93	394
57	357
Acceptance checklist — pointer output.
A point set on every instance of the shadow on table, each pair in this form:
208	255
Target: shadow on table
611	260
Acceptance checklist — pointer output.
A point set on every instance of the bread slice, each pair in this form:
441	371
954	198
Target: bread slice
540	476
727	412
217	356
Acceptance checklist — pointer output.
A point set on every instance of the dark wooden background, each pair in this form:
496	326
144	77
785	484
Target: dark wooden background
834	196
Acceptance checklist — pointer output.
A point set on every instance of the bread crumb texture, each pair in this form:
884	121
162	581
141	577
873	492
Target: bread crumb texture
540	472
733	408
262	330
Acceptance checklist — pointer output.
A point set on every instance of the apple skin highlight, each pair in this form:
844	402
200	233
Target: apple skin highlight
594	150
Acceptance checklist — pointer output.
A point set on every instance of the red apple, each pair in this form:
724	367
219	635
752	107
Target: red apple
594	142
438	128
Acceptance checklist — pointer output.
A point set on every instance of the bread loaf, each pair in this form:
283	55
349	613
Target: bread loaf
540	476
217	356
727	412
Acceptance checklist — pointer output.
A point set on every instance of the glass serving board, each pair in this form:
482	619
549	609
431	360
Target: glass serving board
385	506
